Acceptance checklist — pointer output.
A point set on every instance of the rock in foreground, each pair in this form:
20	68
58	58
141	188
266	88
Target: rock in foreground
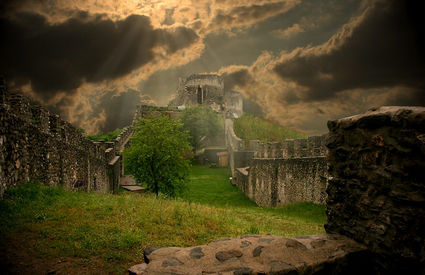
256	254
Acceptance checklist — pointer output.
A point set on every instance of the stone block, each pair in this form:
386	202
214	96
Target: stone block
376	194
256	254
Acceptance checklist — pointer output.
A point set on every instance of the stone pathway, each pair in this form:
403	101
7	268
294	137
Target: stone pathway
256	254
128	183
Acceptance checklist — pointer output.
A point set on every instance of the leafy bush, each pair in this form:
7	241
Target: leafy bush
105	137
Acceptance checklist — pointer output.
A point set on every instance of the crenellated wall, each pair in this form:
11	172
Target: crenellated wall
274	182
313	146
273	174
202	79
35	144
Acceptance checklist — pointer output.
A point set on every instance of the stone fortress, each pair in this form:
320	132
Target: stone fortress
368	170
209	90
273	174
270	174
36	144
375	210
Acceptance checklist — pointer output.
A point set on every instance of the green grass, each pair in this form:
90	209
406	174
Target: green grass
109	232
212	187
249	127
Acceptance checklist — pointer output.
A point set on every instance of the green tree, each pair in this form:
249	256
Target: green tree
202	121
159	155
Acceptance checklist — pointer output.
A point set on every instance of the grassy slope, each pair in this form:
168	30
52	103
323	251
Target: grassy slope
50	228
249	127
212	187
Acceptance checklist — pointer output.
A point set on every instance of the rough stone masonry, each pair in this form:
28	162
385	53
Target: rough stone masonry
36	144
375	210
376	193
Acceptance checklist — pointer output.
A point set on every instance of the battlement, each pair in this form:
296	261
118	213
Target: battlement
313	146
202	80
36	144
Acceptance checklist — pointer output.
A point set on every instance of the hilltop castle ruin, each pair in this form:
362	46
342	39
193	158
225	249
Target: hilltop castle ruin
209	90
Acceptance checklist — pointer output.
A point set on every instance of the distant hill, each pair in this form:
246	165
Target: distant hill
250	127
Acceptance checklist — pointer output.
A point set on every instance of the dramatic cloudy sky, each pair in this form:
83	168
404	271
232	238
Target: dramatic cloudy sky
303	61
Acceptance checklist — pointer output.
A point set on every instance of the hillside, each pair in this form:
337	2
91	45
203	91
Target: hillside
250	127
48	230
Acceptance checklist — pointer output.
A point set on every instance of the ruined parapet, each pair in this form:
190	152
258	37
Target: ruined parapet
314	145
298	148
279	174
275	150
123	138
35	144
376	192
202	79
261	149
288	149
267	150
301	148
253	145
204	89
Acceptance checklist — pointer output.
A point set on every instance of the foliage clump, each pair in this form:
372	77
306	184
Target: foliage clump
105	137
159	155
249	127
202	122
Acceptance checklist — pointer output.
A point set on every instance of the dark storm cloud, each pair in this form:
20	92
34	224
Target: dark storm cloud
176	39
118	109
239	77
9	6
246	15
81	49
384	47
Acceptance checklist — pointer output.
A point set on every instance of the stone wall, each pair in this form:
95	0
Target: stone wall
376	192
205	89
273	182
313	146
203	80
279	174
233	102
233	143
35	144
